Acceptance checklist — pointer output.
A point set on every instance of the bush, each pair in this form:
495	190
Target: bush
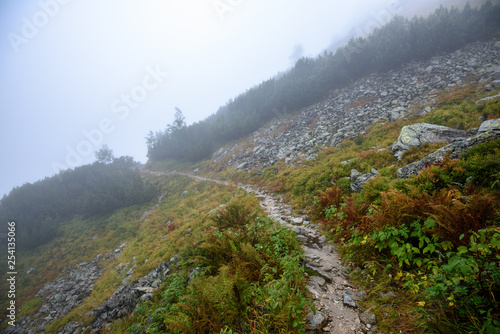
234	215
251	279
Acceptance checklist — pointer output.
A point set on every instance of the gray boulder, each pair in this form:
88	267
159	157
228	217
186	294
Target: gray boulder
491	126
348	301
421	133
488	130
396	114
486	99
368	318
358	179
315	321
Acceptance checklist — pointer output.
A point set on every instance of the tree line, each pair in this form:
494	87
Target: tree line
400	41
90	190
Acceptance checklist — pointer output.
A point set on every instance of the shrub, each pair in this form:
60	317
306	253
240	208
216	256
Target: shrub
466	288
235	215
253	281
373	189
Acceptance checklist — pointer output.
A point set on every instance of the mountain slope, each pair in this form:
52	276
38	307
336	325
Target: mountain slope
196	258
376	99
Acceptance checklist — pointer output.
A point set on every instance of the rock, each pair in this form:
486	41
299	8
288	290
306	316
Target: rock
156	283
486	99
13	330
495	83
355	174
67	292
320	281
488	130
71	328
299	230
144	289
195	272
124	300
389	294
348	301
145	297
315	321
425	111
30	271
396	114
492	125
302	239
420	133
358	179
241	166
368	318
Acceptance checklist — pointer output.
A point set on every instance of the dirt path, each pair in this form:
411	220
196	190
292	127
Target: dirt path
335	298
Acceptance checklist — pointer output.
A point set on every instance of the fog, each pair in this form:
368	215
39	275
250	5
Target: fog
76	75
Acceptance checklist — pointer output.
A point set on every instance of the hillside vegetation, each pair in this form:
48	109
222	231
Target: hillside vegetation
225	261
91	190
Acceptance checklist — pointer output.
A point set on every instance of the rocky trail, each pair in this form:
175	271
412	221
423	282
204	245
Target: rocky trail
335	298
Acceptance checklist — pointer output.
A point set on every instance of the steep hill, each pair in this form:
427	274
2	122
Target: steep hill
376	99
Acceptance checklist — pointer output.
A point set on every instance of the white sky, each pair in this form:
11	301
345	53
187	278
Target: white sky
67	67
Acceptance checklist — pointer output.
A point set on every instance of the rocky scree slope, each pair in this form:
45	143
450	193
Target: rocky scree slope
347	113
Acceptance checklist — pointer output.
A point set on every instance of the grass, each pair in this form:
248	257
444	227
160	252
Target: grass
83	239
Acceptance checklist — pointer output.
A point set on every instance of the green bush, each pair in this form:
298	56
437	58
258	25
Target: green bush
251	279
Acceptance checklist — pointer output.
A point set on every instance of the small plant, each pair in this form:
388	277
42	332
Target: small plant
359	139
234	215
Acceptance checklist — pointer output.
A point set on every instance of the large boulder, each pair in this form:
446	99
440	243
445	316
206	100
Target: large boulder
488	130
421	133
491	126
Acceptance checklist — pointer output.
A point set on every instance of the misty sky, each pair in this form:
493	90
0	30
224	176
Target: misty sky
77	74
